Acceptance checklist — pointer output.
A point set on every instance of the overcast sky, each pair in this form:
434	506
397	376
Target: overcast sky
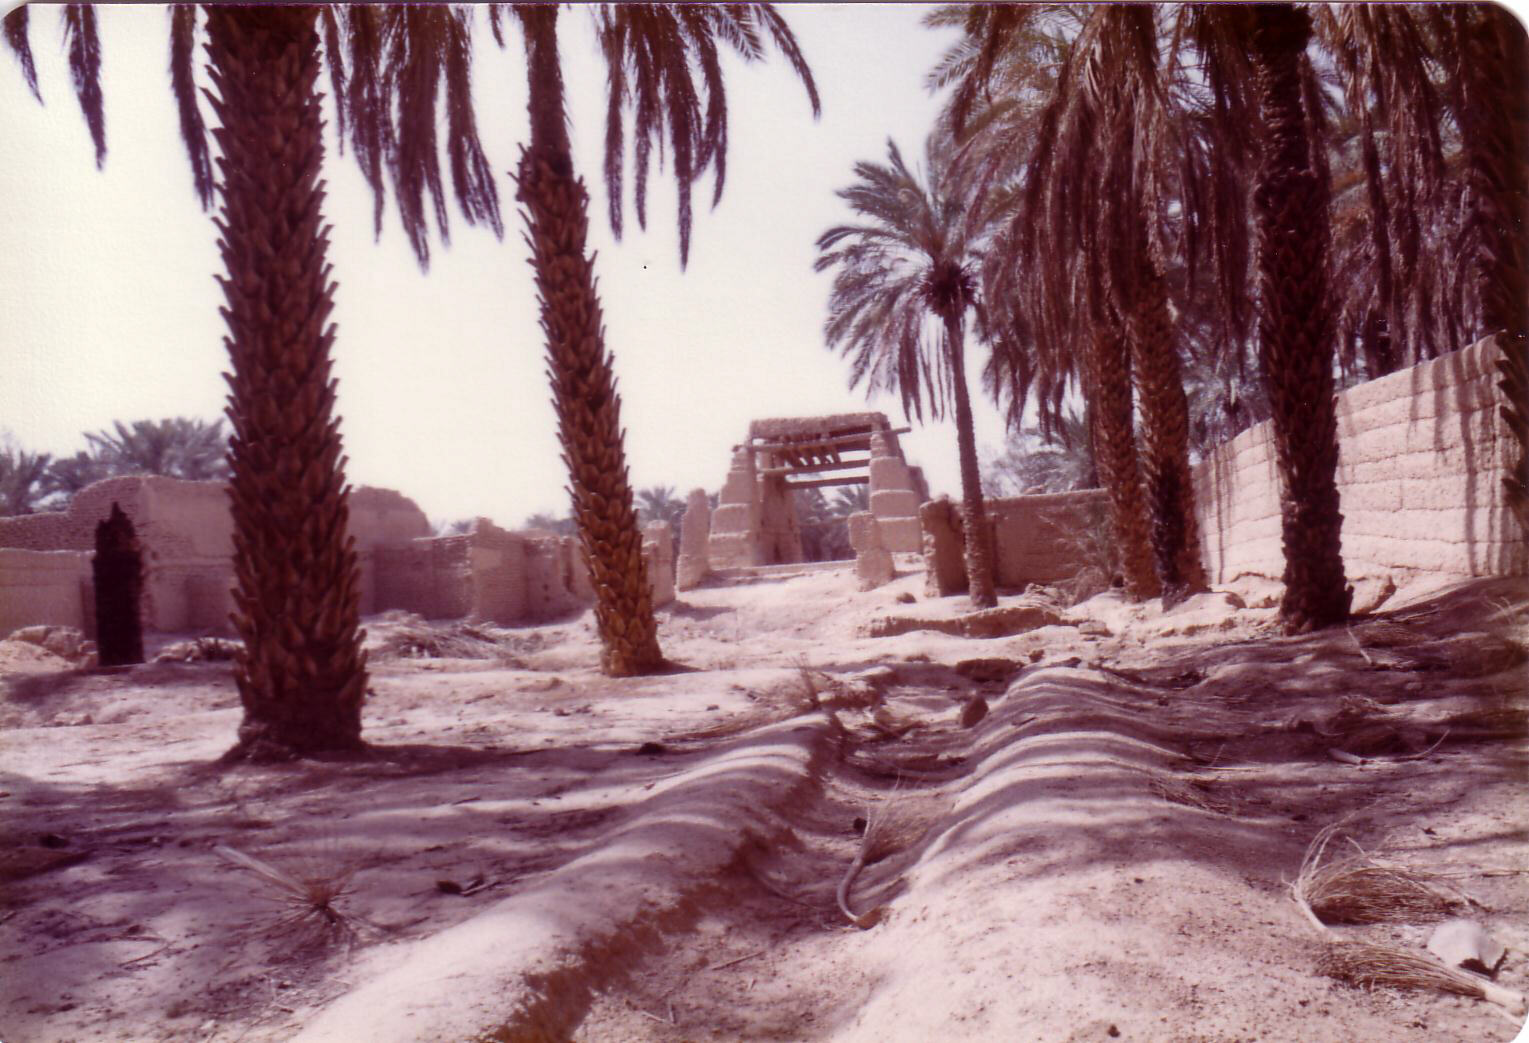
109	311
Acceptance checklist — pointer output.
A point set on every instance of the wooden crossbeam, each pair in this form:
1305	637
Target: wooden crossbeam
859	441
802	468
859	479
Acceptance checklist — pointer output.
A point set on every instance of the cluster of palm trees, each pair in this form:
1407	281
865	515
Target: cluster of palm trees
1115	193
177	447
302	673
1280	183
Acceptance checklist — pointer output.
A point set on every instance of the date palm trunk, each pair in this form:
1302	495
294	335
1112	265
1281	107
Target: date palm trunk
1107	384
1159	380
1495	141
979	549
583	384
1295	329
302	673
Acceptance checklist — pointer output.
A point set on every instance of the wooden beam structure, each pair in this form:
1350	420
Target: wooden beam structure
810	443
855	479
842	465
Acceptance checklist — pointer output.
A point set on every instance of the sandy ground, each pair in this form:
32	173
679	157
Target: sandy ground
1100	850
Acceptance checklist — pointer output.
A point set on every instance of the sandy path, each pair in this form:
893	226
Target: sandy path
1103	855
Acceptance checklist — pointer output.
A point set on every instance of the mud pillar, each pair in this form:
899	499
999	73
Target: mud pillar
658	553
895	495
695	531
873	562
780	533
118	571
734	540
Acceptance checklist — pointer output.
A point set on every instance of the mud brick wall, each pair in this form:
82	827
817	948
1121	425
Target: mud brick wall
38	586
1422	453
1041	538
186	532
497	560
1048	537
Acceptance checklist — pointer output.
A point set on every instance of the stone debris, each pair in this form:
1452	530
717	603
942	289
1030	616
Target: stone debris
1003	621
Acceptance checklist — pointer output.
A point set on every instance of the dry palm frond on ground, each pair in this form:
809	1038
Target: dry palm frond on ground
1365	727
414	638
890	826
1190	794
309	896
1365	964
1357	888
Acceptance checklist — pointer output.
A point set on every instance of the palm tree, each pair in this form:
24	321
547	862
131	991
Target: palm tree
301	673
1488	54
650	51
1060	459
23	479
1088	219
914	259
659	503
548	523
70	474
1257	70
177	447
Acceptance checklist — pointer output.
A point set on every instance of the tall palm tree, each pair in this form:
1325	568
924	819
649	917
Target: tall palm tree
652	52
914	258
301	674
1488	58
1095	189
1256	66
1051	329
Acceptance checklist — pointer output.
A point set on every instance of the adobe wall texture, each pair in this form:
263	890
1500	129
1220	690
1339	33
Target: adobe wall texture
1421	456
186	533
38	586
1047	538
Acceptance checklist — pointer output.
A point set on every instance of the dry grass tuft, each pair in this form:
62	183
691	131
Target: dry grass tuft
1359	889
308	896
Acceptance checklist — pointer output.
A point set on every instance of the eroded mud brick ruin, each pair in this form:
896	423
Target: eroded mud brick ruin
1422	454
186	533
756	521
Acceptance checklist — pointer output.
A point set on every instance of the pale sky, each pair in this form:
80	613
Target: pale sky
109	310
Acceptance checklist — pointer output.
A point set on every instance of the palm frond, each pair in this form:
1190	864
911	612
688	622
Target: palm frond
84	46
183	86
15	32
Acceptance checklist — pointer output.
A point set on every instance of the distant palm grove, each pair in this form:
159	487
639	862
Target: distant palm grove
1153	224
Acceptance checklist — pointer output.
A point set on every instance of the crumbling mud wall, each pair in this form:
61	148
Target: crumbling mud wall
1040	538
1421	457
187	536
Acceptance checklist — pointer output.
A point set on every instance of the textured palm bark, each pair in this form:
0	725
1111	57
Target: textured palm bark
1107	384
583	384
301	674
979	549
1295	330
1496	147
1159	380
